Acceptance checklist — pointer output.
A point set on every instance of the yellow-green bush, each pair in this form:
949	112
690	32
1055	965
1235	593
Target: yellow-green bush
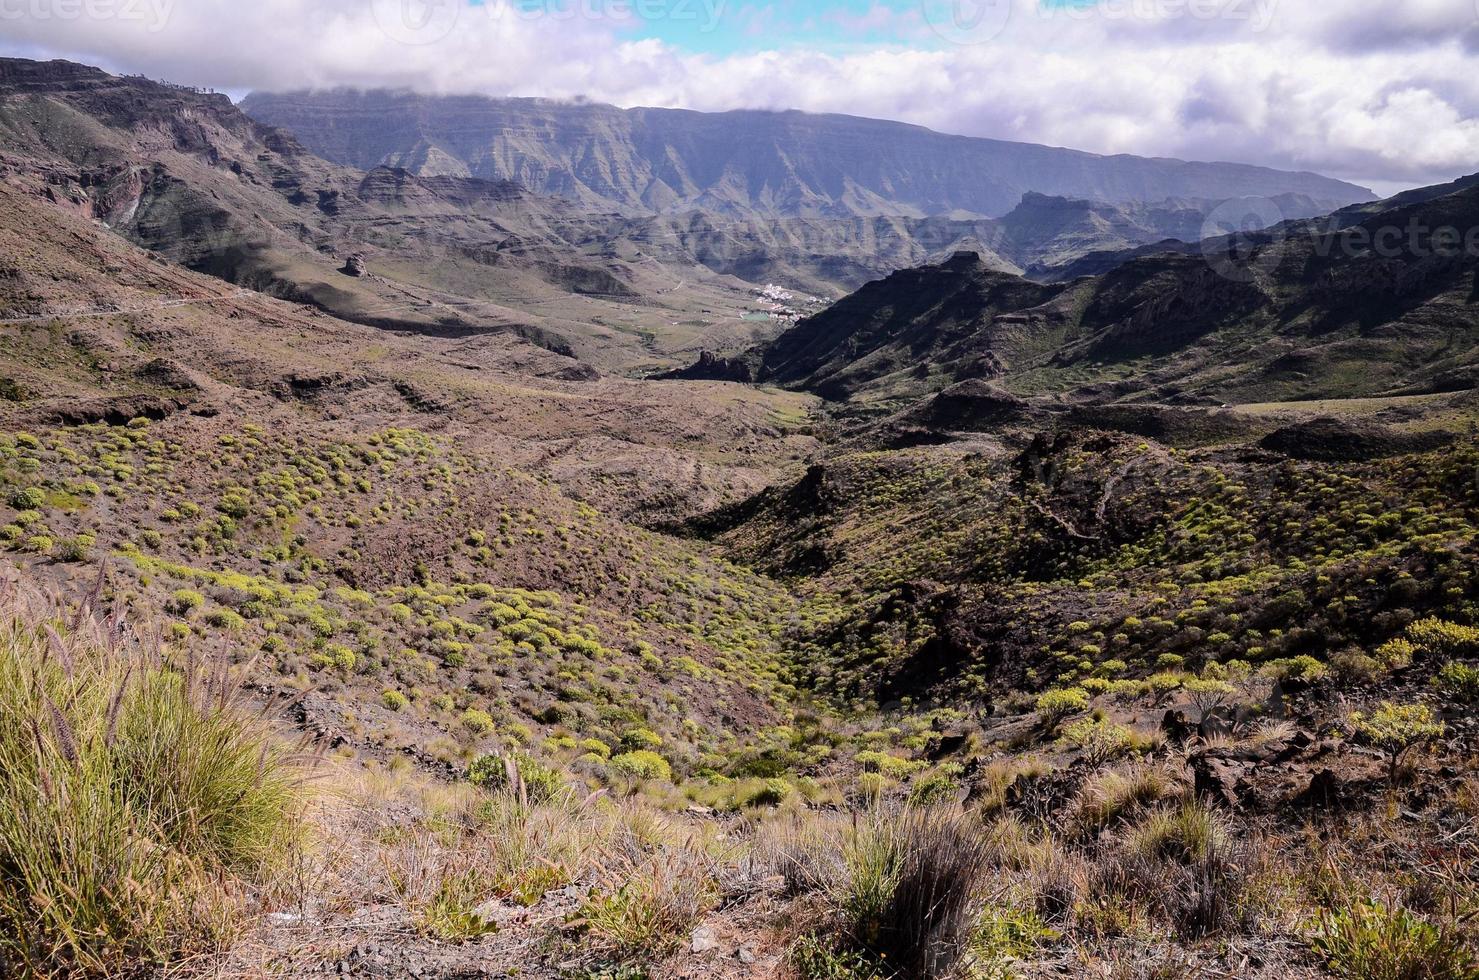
642	764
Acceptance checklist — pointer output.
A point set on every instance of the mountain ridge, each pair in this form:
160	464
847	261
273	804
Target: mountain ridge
744	160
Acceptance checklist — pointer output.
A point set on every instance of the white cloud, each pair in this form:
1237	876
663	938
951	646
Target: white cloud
1362	89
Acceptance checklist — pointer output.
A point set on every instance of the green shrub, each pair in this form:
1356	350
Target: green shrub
1056	705
236	504
27	498
642	764
815	957
183	601
1459	682
1100	741
596	747
74	549
933	789
1206	695
394	700
641	738
771	793
335	656
534	781
1396	653
1442	637
1369	941
888	765
1301	668
225	619
1395	728
477	721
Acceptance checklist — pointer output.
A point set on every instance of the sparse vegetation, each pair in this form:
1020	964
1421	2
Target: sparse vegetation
623	679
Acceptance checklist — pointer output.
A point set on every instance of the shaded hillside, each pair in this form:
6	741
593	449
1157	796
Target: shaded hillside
1037	235
913	324
1096	260
777	164
1060	554
1353	306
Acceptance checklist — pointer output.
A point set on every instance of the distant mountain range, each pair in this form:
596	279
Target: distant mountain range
191	177
747	163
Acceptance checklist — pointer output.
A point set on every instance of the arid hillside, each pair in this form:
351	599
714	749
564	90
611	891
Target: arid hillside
1122	627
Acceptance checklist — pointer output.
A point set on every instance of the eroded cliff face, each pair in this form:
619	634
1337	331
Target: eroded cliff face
744	162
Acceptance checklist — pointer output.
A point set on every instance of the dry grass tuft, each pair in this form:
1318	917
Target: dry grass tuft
141	796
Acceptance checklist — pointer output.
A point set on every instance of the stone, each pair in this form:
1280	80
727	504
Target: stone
354	265
704	940
1218	723
1176	727
1322	793
1221	780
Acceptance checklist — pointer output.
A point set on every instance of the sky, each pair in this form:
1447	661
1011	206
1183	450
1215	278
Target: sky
1384	93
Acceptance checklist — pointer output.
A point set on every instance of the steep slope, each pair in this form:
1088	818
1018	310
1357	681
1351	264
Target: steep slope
187	175
744	163
1353	306
914	323
1037	235
381	510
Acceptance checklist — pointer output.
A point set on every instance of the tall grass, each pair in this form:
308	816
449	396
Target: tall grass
140	796
912	893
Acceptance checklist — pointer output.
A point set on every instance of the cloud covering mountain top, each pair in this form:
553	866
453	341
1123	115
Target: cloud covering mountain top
1386	95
